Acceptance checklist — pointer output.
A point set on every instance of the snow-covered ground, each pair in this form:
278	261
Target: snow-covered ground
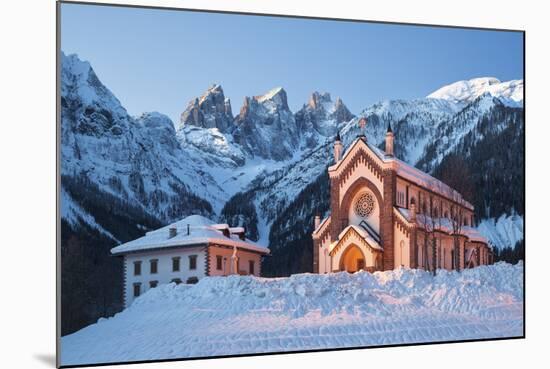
237	315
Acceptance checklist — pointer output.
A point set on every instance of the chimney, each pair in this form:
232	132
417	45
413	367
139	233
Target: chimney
317	222
337	148
172	232
412	210
389	141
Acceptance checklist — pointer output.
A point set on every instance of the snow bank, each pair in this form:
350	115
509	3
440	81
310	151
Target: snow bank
236	315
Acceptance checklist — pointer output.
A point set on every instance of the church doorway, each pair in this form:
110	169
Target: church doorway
352	260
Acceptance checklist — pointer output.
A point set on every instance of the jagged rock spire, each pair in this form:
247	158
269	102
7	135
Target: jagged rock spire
211	110
263	119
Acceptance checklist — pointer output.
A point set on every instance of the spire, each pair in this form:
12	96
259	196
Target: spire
389	141
338	148
362	125
317	221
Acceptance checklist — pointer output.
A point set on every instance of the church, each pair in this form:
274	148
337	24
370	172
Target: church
386	214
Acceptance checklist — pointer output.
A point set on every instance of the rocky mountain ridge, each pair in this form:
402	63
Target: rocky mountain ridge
266	149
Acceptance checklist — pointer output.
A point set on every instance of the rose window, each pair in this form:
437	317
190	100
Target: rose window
364	206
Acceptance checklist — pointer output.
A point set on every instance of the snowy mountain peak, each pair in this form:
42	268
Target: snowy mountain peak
211	110
275	97
77	66
264	119
155	120
322	104
338	103
78	79
83	94
319	118
317	100
510	92
212	91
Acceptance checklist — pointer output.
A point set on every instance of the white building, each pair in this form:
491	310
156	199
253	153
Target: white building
184	252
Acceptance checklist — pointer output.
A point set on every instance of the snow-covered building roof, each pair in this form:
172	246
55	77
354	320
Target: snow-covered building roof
359	234
364	234
443	225
190	231
408	172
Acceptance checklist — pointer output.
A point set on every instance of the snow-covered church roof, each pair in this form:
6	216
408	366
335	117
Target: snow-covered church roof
190	231
443	225
407	172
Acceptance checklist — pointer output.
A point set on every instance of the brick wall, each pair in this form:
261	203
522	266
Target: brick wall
386	224
335	225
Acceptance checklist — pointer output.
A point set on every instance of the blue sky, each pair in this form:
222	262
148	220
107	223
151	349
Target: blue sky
158	60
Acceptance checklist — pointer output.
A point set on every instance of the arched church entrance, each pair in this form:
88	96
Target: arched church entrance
352	259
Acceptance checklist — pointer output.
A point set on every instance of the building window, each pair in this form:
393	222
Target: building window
453	264
400	198
137	289
153	284
192	262
176	264
176	281
154	266
219	262
251	267
137	267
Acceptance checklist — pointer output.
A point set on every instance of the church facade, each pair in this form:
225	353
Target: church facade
386	214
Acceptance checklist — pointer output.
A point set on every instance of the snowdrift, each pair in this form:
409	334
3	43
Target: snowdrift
237	315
